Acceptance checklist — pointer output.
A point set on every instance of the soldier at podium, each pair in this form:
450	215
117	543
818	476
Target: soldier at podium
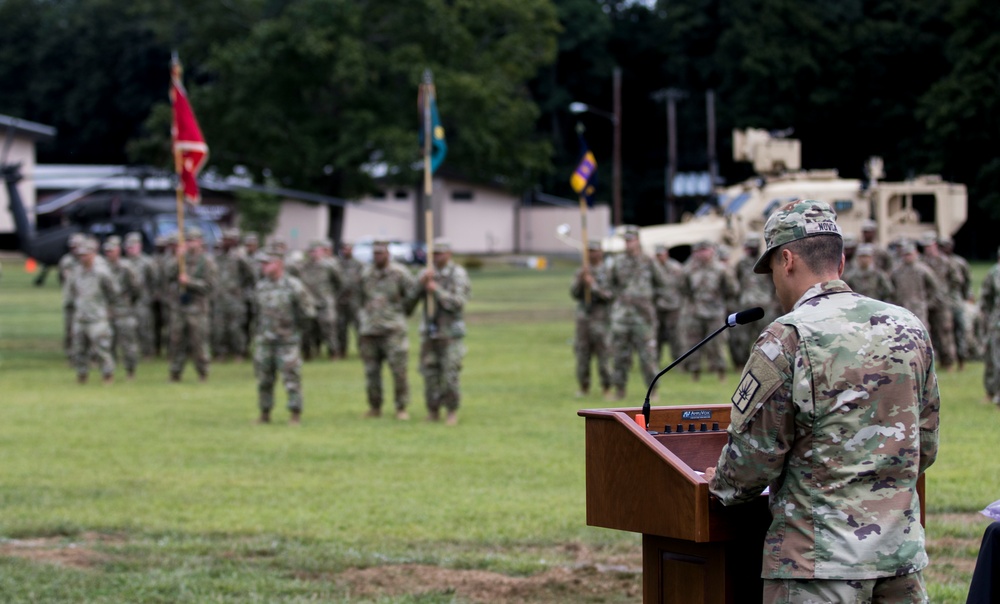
837	412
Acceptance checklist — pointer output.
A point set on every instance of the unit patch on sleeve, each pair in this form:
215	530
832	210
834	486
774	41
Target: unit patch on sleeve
760	379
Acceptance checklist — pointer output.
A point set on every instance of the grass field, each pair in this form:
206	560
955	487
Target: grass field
146	491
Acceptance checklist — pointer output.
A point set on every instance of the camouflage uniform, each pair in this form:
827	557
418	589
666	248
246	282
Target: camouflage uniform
229	309
959	294
989	306
145	270
915	287
706	285
837	412
871	282
668	310
754	290
593	327
385	293
161	302
280	306
125	319
93	291
941	313
348	301
322	278
189	313
442	345
637	281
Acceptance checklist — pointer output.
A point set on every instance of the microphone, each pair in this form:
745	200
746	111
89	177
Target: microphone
737	318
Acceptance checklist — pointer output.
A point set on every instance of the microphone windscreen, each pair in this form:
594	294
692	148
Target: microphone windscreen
749	315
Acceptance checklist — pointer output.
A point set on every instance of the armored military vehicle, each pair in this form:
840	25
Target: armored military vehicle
900	210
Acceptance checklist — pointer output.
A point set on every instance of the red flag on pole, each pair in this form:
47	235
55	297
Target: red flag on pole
190	149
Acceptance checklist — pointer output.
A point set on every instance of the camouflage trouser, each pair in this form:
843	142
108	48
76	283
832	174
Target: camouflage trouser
593	339
904	589
741	340
697	329
440	364
942	327
668	333
322	331
640	337
92	340
189	334
393	349
991	361
347	316
229	317
144	318
126	342
68	332
268	358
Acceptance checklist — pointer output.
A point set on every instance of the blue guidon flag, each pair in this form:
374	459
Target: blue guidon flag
582	179
439	148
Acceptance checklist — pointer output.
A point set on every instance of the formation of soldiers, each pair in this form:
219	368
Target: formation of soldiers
645	304
239	302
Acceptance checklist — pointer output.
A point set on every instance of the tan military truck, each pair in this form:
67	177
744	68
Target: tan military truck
907	209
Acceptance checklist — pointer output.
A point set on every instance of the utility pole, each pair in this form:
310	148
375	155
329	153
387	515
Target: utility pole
713	161
616	168
671	96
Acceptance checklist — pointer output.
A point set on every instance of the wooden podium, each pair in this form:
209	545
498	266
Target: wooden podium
693	548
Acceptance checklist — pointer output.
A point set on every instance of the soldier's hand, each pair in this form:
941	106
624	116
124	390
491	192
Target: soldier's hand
183	279
709	473
427	277
431	286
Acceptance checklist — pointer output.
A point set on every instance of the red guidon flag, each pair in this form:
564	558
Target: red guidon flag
190	150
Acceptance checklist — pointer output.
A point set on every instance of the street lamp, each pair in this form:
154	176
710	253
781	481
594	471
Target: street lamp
616	165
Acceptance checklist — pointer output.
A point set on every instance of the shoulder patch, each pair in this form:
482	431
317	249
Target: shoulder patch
760	379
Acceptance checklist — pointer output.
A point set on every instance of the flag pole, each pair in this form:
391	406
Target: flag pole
428	90
583	234
176	73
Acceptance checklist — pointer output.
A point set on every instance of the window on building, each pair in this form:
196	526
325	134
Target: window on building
462	195
378	195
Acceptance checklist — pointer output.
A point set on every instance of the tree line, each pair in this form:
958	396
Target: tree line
321	94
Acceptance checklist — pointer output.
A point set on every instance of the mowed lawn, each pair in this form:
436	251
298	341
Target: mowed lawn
157	492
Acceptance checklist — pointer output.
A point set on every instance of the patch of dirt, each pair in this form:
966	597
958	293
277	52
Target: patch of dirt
73	552
587	576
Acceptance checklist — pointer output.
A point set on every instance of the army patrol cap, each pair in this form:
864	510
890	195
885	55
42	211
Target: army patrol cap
752	243
442	245
794	221
380	245
270	252
316	244
76	239
193	233
631	232
869	225
231	233
704	244
660	249
594	245
86	246
132	237
250	237
110	245
865	249
907	247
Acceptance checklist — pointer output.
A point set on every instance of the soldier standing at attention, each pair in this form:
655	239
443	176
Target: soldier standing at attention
940	315
442	334
93	291
190	294
67	263
386	289
989	306
321	276
145	271
124	317
707	285
865	278
348	300
637	281
915	287
281	302
837	412
881	256
593	321
668	306
960	294
236	277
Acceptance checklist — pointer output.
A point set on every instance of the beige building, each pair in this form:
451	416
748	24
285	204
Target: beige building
17	146
477	219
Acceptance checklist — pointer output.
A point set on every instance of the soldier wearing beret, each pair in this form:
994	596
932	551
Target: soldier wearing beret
282	303
837	412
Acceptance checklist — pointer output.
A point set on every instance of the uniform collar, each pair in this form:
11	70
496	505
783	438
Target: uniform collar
824	288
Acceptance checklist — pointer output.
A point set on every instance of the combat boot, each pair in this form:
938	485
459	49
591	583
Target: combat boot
452	418
296	418
265	417
175	376
433	415
402	415
109	379
81	378
373	412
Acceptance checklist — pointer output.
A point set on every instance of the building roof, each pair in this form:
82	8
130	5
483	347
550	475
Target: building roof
32	129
